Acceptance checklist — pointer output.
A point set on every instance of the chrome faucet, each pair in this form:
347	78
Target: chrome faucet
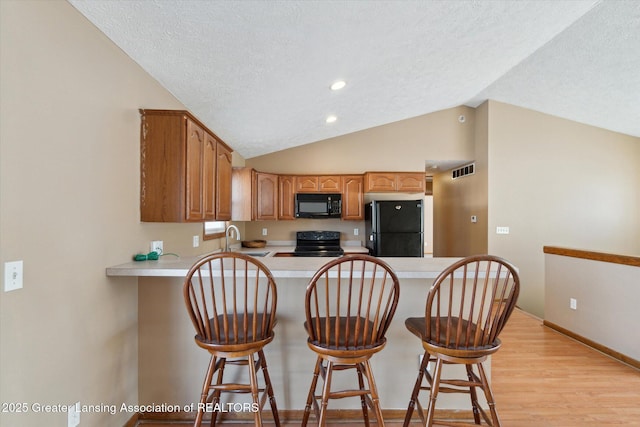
227	233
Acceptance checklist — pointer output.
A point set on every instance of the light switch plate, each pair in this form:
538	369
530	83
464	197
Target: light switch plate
502	230
13	275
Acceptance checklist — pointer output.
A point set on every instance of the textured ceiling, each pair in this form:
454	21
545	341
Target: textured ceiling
258	72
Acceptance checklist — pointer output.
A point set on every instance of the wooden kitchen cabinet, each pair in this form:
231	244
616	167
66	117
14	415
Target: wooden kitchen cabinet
352	197
179	181
399	182
306	184
318	184
286	197
410	182
254	195
329	184
266	196
223	181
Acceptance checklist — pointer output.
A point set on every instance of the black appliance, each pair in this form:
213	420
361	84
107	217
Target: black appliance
318	205
318	243
394	228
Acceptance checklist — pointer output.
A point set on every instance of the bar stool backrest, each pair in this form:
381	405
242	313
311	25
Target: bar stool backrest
470	302
231	299
350	302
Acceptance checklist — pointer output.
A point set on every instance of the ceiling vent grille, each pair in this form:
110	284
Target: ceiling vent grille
469	169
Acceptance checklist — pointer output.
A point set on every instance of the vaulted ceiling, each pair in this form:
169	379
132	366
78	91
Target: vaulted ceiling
258	72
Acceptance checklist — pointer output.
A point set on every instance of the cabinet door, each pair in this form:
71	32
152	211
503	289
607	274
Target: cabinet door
380	182
306	184
223	182
194	174
266	196
209	177
410	182
329	184
286	195
353	197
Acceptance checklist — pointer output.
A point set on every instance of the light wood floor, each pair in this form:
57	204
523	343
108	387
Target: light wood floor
541	378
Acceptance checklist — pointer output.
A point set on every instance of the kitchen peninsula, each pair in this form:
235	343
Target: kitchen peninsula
171	366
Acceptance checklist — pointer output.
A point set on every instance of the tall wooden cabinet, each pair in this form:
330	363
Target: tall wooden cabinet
223	181
185	170
352	197
286	197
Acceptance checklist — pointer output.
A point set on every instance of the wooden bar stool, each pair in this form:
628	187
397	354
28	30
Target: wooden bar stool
231	299
467	307
349	304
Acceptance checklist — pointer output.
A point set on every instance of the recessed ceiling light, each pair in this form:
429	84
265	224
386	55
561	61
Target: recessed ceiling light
338	85
331	119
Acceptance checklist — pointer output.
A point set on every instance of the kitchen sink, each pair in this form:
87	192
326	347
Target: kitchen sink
256	254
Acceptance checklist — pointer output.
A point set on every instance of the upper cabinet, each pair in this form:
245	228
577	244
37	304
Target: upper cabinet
254	195
185	170
352	197
265	196
318	184
223	181
286	197
398	182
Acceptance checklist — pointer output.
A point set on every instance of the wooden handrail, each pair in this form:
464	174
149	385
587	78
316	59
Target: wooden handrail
594	256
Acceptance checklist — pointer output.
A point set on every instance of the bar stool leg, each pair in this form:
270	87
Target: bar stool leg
489	395
416	390
433	394
473	394
363	400
269	387
216	393
312	392
254	390
326	390
205	391
374	392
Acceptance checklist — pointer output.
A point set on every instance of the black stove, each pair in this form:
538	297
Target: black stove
318	243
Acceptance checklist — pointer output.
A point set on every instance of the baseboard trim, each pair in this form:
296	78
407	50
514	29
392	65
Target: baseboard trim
291	415
596	346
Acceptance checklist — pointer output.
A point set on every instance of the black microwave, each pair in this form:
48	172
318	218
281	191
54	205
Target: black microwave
318	205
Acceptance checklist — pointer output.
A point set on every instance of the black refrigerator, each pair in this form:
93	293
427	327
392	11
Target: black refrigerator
394	228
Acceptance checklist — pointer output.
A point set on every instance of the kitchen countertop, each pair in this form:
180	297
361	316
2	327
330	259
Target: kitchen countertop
281	267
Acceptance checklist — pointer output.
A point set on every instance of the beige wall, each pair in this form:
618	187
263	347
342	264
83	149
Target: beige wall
69	182
401	146
607	296
559	183
456	200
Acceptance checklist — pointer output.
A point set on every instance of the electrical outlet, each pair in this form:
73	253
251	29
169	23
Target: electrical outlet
356	231
156	246
196	241
502	230
264	231
474	219
573	303
13	275
73	415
